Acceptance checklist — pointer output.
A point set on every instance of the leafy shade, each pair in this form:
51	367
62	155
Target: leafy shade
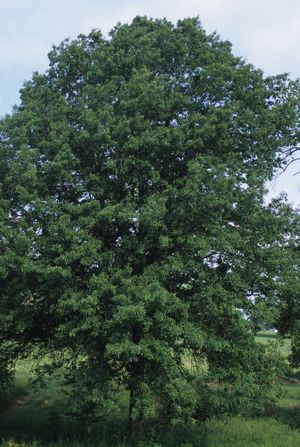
133	227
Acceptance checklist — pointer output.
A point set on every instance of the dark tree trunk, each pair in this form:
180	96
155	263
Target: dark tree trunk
130	414
135	422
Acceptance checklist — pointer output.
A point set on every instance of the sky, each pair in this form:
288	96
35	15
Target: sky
265	32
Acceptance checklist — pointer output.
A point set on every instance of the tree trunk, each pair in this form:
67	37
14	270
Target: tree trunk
135	422
130	414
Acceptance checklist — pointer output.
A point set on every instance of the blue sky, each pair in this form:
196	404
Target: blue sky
265	32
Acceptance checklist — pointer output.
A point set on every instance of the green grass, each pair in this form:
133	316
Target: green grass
33	413
238	432
289	406
234	432
38	418
283	345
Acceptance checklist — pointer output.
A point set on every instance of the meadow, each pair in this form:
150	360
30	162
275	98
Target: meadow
33	417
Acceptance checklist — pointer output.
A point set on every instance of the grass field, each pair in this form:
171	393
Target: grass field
282	345
35	418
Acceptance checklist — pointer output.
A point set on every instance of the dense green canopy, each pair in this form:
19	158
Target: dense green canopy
134	234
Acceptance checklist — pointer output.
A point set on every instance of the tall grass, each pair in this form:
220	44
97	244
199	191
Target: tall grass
39	417
234	432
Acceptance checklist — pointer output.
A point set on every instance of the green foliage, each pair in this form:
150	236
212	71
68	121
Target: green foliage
275	343
43	420
243	386
132	218
295	347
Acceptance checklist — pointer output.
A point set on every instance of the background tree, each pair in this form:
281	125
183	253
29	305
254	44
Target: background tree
288	308
134	231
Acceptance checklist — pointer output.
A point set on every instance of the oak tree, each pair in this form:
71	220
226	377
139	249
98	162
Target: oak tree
134	234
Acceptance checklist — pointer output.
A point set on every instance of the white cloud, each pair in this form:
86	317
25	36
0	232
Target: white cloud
276	47
29	52
265	32
107	19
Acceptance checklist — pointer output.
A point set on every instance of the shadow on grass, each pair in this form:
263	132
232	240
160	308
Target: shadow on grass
30	421
290	416
43	427
288	410
41	417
